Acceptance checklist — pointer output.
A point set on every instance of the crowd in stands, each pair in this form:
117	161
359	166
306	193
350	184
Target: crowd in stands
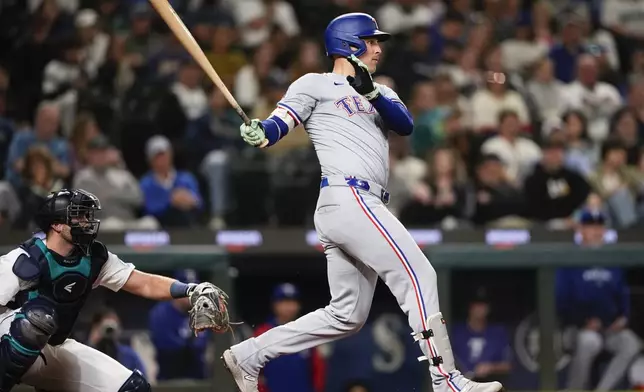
525	111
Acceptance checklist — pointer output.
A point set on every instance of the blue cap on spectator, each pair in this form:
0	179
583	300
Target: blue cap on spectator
187	276
285	291
589	217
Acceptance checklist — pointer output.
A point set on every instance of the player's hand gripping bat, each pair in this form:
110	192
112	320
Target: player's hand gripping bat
180	31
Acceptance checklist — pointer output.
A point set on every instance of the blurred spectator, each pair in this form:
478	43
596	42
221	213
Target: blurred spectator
132	48
411	63
523	49
546	91
10	205
105	335
598	100
7	124
581	154
564	54
93	41
309	60
274	88
54	16
624	19
596	301
482	349
213	141
636	103
119	192
189	91
223	55
400	16
451	29
248	82
428	118
552	191
44	133
179	353
357	386
113	15
488	103
85	129
163	65
517	153
637	67
406	173
38	181
620	186
623	125
256	17
62	80
443	197
498	200
171	196
303	371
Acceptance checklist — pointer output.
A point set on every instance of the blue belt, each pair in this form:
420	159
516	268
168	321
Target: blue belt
374	189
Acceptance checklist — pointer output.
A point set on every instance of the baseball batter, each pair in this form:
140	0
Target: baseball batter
348	117
43	286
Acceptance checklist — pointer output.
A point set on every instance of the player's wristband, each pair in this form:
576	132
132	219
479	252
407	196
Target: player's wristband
180	289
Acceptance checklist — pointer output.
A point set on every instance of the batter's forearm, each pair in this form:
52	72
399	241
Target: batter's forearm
274	129
395	115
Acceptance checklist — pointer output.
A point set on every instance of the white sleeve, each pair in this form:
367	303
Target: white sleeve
388	93
287	19
115	273
298	103
609	15
10	284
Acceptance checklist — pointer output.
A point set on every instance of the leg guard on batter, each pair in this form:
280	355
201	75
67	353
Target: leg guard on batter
136	383
28	335
440	348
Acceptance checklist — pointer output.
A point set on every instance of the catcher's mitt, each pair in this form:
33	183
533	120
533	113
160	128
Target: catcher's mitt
209	308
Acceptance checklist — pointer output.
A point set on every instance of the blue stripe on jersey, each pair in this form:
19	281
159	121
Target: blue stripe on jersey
275	129
290	109
395	115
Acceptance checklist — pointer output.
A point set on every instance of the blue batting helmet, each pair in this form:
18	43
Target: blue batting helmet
349	30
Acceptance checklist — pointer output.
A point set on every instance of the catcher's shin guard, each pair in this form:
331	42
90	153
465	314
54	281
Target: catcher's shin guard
136	383
440	349
28	335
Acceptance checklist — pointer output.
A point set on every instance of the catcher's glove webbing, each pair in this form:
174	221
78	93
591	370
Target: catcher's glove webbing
209	308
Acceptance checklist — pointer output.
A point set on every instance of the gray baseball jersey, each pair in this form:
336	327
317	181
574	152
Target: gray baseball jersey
362	239
347	132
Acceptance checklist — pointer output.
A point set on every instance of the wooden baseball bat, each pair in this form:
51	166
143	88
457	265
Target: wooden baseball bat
180	30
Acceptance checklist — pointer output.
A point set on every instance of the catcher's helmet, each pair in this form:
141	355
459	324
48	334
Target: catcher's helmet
349	30
73	207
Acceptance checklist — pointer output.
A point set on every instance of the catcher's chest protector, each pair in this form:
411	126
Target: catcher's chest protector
66	284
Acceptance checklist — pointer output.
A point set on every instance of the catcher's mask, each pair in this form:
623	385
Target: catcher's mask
75	208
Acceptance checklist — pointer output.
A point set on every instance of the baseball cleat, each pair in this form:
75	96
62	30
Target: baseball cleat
473	386
244	380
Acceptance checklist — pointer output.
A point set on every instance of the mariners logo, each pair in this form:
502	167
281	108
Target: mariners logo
527	344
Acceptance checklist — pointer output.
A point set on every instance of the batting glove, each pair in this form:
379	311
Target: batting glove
362	82
253	133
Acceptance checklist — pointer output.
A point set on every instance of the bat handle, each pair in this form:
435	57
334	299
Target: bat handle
243	115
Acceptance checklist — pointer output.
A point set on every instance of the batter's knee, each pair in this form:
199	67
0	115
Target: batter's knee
136	383
629	344
348	321
589	343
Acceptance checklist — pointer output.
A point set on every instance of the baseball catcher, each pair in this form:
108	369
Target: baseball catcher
44	284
